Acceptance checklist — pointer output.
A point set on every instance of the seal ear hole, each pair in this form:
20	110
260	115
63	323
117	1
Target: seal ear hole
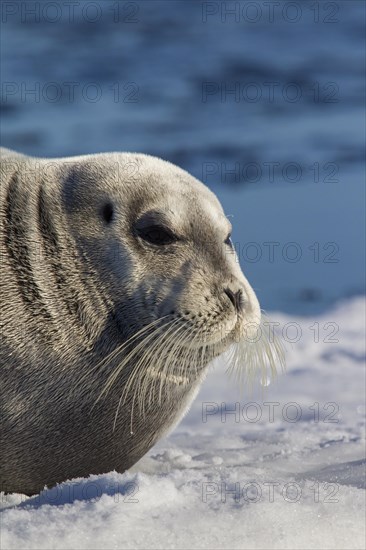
108	212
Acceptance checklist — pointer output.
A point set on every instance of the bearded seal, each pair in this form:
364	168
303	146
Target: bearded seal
119	285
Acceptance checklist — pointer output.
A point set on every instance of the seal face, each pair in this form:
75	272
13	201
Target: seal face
119	285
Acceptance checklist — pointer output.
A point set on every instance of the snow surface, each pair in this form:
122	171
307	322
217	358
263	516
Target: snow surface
226	481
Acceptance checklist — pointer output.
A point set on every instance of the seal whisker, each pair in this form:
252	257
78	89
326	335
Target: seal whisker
105	361
152	354
111	379
142	371
193	353
161	357
129	341
140	374
172	355
187	360
151	376
252	356
146	380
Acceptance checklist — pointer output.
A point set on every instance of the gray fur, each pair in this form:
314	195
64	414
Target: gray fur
74	288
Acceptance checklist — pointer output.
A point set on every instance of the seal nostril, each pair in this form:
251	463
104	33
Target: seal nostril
239	300
230	294
235	298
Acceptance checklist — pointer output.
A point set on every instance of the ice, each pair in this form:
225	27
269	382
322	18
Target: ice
283	467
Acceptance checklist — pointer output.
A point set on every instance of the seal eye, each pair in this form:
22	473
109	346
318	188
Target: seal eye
108	212
228	241
156	234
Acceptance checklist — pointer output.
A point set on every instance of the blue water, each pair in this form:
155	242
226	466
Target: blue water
265	105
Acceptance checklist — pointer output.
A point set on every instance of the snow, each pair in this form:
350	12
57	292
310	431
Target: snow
289	474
